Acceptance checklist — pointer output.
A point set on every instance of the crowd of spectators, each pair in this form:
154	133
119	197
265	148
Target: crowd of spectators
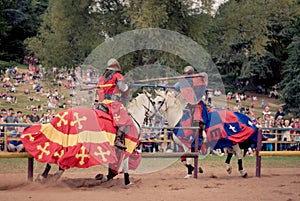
272	123
37	111
30	83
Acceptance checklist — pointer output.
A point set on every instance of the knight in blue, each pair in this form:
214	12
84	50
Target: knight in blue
195	113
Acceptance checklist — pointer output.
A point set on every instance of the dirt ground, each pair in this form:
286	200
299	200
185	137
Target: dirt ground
214	184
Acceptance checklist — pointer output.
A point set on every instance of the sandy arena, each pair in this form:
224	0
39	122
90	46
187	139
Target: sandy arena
280	184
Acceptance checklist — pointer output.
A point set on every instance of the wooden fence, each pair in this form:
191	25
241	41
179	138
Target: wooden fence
275	140
5	137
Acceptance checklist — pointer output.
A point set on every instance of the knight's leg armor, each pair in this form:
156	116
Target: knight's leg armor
120	137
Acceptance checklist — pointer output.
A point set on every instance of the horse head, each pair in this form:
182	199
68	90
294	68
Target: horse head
170	104
139	106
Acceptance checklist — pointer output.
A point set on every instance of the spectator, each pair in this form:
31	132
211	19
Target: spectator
19	116
279	113
296	134
46	117
11	118
15	145
26	91
3	116
266	111
262	103
286	136
34	117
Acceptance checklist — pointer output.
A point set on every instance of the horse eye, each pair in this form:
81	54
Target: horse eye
159	102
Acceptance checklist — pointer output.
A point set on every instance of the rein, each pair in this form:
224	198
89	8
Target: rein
156	110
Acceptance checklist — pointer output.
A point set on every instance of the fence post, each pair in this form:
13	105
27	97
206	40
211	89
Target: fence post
5	139
196	151
276	142
258	149
30	169
165	143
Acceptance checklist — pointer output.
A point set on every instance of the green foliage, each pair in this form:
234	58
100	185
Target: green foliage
247	40
251	39
290	83
19	20
5	65
67	34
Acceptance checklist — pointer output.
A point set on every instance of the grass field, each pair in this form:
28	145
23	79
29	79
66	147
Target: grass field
20	165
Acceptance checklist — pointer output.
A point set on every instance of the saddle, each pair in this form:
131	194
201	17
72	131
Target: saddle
101	106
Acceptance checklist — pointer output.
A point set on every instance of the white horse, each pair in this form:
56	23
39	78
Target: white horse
172	104
137	108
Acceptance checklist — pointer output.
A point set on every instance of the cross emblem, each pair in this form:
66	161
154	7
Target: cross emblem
59	155
250	123
122	107
82	156
43	150
78	120
31	138
102	153
62	120
232	128
116	117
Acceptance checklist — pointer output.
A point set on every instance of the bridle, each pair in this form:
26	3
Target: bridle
156	109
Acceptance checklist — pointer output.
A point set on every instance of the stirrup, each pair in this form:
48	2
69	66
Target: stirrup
120	145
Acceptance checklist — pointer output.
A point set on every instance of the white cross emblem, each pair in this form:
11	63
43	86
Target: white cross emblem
232	128
250	123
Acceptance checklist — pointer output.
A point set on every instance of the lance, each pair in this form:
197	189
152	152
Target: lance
135	85
203	75
139	83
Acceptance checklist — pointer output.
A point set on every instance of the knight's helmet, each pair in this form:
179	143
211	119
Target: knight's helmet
113	64
188	70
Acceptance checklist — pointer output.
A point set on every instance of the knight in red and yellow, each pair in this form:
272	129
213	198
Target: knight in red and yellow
110	88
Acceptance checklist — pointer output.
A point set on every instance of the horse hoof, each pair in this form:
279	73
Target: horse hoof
57	175
228	168
99	176
244	173
200	170
188	176
129	184
40	179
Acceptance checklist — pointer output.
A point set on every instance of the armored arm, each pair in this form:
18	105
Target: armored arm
122	85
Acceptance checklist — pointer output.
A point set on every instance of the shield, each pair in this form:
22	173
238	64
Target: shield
192	89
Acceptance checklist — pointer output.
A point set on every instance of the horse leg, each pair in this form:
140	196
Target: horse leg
227	162
186	161
42	177
125	164
239	156
190	168
46	171
111	174
58	174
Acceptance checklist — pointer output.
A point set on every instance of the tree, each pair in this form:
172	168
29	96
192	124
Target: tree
67	34
19	19
290	83
250	39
